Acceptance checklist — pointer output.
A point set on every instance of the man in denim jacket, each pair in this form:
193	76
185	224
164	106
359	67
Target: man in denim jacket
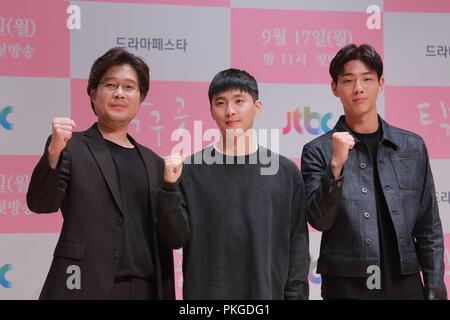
370	190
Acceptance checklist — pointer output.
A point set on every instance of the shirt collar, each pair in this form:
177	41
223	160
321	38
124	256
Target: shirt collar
387	138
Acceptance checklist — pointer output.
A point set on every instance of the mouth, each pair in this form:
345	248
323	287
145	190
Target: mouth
118	106
359	100
232	123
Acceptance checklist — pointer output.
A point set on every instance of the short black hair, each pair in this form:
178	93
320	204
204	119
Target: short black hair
365	53
119	56
233	79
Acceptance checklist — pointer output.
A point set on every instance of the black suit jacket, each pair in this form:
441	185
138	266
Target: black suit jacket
85	187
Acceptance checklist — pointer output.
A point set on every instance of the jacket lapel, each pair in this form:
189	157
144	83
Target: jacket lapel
102	155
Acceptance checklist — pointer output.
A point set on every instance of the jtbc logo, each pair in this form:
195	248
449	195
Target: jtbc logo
4	118
293	119
3	270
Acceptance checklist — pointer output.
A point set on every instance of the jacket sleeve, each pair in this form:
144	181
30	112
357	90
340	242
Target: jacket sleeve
323	192
173	220
47	186
297	286
429	239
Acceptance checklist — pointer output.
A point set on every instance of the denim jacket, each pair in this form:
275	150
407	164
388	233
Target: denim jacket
345	208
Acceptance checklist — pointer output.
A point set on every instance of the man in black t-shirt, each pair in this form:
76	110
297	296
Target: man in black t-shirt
237	209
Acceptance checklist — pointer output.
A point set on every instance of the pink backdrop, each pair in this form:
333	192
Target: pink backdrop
286	45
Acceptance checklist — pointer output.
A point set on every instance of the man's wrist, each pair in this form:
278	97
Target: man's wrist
336	169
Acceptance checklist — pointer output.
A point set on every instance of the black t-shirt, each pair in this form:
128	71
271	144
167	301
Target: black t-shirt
136	258
246	229
394	285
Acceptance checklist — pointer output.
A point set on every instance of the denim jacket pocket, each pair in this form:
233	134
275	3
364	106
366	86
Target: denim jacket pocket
411	208
406	170
343	238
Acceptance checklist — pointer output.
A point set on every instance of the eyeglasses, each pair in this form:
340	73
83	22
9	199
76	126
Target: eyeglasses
111	86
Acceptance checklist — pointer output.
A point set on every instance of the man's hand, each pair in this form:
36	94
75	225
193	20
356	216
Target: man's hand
343	142
61	133
173	165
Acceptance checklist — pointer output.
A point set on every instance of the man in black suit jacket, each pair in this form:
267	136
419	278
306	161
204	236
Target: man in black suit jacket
105	184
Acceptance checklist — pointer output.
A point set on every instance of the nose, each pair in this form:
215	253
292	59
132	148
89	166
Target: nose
231	110
358	87
119	93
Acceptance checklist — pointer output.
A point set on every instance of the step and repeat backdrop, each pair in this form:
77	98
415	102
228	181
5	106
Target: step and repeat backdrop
48	46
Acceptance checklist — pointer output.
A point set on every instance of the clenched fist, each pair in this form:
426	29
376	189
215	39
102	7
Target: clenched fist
343	142
61	133
173	165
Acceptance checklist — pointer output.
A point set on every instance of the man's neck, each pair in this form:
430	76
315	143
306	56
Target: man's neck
368	123
239	145
118	135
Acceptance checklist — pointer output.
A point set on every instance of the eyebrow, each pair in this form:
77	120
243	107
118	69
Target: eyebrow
113	78
215	99
352	74
218	98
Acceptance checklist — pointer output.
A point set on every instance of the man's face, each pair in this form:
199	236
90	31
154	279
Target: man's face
358	89
117	97
234	110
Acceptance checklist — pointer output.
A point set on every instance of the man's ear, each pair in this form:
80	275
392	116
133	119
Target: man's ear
258	106
381	84
92	95
334	88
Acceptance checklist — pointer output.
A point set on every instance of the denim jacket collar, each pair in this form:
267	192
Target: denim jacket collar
387	138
